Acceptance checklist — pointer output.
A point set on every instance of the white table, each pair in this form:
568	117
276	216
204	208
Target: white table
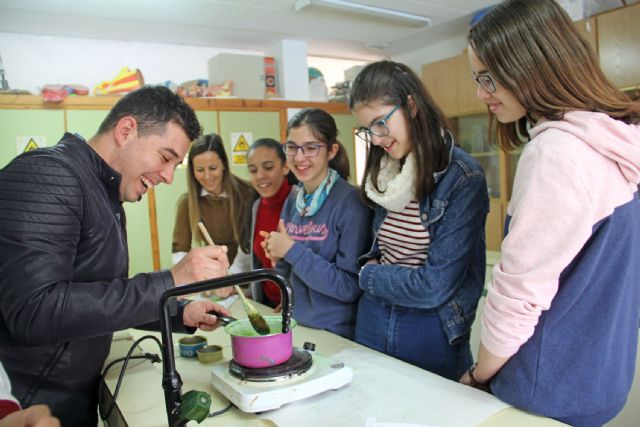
141	399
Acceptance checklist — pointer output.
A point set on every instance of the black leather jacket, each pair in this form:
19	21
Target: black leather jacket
63	277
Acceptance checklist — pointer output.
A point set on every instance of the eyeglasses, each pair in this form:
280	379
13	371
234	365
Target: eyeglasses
485	81
378	128
308	150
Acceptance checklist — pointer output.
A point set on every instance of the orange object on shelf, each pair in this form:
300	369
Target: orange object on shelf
270	90
126	81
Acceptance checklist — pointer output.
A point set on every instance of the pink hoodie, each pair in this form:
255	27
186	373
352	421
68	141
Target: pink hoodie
572	174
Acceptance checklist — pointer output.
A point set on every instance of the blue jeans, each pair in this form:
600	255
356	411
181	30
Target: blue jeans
412	335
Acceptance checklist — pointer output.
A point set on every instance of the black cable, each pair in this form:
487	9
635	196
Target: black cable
153	357
222	411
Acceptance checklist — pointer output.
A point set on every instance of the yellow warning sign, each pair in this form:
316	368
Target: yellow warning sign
31	145
241	144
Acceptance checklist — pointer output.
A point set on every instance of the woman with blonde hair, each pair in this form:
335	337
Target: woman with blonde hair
215	196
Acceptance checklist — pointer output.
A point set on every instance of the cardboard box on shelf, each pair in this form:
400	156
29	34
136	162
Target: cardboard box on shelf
351	72
246	71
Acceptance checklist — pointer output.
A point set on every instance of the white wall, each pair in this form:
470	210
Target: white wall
31	61
332	68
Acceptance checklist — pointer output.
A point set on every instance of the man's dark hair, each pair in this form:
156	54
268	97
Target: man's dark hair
153	107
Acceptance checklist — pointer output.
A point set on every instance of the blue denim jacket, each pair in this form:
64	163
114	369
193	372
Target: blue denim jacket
452	278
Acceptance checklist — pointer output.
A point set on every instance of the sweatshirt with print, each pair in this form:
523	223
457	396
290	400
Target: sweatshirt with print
564	300
322	263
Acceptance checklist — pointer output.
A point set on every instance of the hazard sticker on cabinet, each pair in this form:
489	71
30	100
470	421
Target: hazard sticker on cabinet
28	143
240	143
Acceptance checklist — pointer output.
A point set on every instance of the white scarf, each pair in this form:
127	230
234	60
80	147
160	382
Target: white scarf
397	184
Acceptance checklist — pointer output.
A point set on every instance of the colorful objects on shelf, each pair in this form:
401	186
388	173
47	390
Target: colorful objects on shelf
126	81
318	91
201	88
224	89
57	92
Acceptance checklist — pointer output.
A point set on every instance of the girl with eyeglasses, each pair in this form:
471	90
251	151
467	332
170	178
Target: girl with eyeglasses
424	274
323	228
560	325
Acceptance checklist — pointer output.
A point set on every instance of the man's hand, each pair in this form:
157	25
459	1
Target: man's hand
209	262
33	416
197	314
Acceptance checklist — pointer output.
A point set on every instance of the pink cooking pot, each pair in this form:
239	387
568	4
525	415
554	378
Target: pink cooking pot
253	350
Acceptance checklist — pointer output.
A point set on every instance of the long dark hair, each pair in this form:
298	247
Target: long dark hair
533	50
323	126
277	147
236	189
394	83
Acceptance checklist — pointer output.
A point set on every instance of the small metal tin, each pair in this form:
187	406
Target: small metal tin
189	345
209	354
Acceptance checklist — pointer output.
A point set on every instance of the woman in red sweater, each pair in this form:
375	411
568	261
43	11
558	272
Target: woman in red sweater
271	178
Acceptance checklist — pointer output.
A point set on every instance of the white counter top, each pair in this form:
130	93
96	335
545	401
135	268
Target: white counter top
141	398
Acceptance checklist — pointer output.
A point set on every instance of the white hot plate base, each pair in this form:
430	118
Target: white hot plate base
324	374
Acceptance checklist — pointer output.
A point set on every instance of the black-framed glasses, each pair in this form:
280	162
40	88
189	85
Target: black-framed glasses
485	81
308	150
377	128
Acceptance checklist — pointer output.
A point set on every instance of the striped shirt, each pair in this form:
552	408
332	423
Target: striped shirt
402	238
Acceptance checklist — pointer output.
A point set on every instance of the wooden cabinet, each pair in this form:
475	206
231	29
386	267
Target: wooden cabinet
588	29
494	228
440	80
259	124
466	88
471	133
619	45
451	85
16	123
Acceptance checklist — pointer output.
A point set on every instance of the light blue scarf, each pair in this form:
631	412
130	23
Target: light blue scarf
309	204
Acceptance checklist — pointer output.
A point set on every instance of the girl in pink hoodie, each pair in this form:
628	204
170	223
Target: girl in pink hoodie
560	324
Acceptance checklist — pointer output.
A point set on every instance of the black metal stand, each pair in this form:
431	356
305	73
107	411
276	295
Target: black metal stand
171	382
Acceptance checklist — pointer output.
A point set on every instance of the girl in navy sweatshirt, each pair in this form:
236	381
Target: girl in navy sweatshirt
323	228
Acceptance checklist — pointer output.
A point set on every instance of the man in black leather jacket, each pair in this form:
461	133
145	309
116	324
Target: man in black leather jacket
64	285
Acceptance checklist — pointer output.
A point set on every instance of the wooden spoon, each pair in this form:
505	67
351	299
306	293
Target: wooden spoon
257	321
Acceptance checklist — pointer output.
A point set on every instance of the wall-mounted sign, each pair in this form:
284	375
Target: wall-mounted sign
28	143
240	143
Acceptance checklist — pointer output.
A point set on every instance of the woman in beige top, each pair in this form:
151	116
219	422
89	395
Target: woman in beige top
215	195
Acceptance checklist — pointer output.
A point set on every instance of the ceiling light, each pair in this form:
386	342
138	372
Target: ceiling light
363	11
